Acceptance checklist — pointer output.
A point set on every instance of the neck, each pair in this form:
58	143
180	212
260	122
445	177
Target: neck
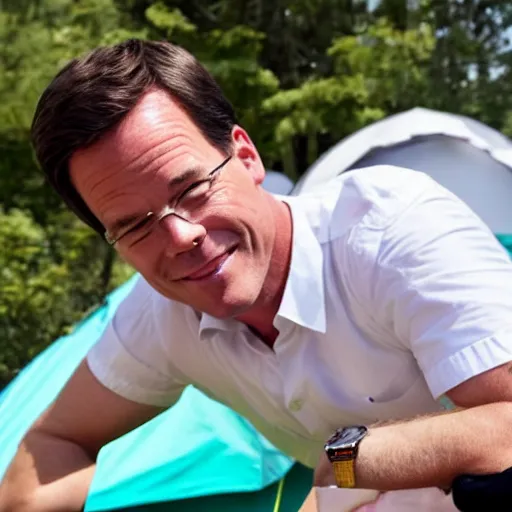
261	316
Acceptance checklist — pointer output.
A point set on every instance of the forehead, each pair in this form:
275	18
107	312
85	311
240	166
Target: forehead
154	143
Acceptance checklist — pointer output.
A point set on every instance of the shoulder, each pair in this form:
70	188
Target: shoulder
384	193
364	199
146	318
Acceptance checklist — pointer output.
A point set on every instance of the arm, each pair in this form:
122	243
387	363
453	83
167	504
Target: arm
431	451
441	289
54	465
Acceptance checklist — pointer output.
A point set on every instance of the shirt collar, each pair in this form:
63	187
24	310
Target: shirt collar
303	300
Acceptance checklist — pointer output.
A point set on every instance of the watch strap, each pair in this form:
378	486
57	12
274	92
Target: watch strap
344	473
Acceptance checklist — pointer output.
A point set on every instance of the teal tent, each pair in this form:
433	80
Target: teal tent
198	455
506	241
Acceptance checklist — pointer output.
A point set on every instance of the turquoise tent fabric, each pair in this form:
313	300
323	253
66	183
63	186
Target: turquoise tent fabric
39	383
197	448
198	455
506	241
287	495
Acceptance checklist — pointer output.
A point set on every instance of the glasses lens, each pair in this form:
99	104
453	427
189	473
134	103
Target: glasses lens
190	205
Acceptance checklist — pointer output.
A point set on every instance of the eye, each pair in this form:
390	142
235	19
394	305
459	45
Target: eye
139	229
195	191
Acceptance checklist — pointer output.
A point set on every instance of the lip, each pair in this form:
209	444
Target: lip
210	268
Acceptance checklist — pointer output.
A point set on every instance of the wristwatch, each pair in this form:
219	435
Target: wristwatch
341	449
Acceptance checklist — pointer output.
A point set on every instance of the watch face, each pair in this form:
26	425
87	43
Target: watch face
345	437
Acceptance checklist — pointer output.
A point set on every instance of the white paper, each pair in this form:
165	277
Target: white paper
360	500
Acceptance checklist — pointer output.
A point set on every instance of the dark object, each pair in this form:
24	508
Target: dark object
341	449
345	439
473	493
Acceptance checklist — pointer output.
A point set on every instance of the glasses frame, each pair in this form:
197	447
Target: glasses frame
168	210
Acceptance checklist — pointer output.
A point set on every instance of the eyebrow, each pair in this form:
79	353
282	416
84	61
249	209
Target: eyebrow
188	175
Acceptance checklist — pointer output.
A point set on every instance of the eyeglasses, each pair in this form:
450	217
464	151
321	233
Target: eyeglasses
188	206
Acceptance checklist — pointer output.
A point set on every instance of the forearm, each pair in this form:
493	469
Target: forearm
46	475
432	451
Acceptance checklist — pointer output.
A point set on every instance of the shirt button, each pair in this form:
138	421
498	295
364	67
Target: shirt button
296	405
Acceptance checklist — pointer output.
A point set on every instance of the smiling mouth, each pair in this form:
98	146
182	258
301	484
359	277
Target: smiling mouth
210	268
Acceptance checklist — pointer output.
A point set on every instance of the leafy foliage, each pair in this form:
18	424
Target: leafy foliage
300	73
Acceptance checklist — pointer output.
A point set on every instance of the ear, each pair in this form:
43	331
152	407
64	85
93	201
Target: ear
246	152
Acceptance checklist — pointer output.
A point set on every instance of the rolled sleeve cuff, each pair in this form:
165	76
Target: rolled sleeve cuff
468	362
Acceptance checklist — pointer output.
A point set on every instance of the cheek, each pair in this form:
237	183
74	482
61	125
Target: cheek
143	260
243	196
234	214
246	206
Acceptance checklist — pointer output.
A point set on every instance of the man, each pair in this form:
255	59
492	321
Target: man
366	301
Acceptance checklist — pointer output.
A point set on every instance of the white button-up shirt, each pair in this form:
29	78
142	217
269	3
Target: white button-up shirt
396	293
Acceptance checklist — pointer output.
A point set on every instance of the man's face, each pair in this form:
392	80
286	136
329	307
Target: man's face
155	156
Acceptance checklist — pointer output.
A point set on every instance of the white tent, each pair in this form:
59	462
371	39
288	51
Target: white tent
469	158
277	183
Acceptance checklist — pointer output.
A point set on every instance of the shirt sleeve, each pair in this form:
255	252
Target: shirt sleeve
442	287
129	358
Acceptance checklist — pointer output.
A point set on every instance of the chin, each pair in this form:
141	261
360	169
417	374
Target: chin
228	309
230	295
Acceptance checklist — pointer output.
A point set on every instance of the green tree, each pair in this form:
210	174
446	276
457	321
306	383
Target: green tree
53	268
377	73
301	74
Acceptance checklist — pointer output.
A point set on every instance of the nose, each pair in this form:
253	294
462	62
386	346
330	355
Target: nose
182	234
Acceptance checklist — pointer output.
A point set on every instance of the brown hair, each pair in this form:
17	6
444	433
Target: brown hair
91	95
